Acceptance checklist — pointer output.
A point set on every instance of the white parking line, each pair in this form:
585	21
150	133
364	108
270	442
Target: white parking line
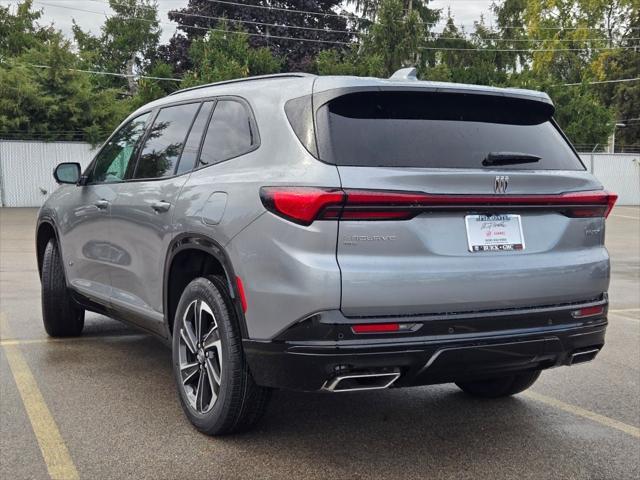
584	413
625	216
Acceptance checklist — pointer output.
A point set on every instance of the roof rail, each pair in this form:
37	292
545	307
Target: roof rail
247	79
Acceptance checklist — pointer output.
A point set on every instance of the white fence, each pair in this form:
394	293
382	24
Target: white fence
26	167
618	172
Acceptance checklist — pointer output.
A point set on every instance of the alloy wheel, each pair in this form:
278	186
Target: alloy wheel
200	356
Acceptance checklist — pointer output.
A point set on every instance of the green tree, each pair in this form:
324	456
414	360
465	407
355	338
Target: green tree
222	55
581	115
57	102
20	31
127	43
392	42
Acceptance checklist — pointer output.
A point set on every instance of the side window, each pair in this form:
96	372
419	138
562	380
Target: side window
191	148
112	161
163	145
230	133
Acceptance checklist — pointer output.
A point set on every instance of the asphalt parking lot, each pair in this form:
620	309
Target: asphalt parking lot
104	405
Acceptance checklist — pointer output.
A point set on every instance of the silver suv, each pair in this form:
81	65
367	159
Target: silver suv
335	234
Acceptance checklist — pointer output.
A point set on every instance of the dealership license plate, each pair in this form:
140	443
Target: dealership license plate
489	233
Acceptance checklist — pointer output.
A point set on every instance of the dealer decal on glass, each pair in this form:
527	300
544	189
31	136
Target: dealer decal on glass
489	233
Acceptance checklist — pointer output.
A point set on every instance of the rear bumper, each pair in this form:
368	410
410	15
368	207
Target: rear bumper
444	349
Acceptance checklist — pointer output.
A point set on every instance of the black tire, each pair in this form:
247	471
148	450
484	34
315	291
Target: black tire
501	386
239	402
61	315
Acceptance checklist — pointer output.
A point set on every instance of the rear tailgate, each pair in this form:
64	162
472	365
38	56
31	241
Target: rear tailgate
438	258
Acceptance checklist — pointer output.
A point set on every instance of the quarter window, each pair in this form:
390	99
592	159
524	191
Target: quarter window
164	143
230	133
112	161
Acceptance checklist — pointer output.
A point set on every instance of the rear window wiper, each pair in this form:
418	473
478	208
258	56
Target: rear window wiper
509	158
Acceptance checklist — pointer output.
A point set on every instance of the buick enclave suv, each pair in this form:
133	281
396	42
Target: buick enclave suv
334	234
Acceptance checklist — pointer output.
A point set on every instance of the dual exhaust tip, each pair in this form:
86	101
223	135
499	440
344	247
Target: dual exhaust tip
356	381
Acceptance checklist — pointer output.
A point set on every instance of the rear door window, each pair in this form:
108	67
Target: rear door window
164	142
439	130
230	134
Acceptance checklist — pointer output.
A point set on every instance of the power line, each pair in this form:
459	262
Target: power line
350	32
281	37
352	16
98	72
336	42
600	81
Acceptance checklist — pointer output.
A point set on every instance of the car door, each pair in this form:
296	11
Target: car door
87	249
142	213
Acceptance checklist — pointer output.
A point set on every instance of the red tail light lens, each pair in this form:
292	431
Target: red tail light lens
303	205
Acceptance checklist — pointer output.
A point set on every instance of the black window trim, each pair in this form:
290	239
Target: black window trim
254	129
154	113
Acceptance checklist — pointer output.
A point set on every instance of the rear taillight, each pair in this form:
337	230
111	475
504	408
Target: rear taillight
303	205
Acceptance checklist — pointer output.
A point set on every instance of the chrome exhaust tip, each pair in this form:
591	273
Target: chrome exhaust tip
583	356
355	381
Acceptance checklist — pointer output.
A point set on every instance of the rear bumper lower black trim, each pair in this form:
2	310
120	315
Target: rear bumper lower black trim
314	352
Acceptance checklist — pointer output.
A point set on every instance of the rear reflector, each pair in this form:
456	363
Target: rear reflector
242	294
376	328
588	312
303	205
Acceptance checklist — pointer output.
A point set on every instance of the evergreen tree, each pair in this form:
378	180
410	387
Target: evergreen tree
266	22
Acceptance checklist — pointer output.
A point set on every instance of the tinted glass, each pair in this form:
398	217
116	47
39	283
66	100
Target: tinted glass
438	130
112	161
192	146
229	134
162	148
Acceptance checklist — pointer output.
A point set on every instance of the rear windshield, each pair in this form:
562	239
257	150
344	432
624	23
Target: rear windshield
439	130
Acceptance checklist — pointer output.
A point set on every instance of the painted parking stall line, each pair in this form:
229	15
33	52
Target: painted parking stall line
584	413
54	451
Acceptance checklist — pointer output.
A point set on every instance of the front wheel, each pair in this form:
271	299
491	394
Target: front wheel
501	386
61	315
217	391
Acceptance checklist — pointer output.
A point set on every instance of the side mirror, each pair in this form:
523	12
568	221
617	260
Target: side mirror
68	172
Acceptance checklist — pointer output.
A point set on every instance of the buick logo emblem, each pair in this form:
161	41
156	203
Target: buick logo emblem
501	184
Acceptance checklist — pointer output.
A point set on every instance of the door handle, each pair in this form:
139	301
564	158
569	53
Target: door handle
161	206
102	204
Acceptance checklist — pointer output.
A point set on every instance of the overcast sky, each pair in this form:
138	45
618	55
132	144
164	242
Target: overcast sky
61	13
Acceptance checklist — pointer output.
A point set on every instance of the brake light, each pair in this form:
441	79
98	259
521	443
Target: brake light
303	205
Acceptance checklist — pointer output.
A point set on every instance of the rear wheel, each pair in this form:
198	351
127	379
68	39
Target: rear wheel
501	386
61	315
216	389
